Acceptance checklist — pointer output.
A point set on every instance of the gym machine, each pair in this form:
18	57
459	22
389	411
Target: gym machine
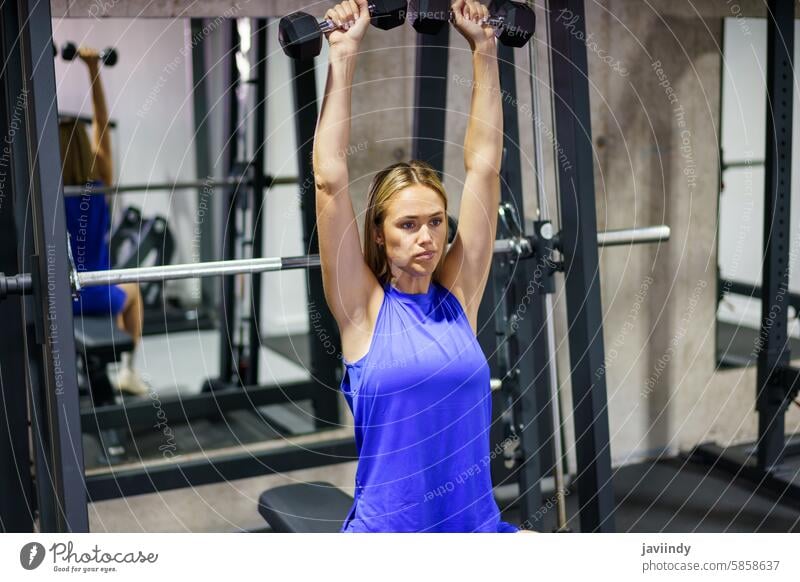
770	464
43	279
524	366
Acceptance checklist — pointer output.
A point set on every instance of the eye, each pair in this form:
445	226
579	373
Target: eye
405	223
438	221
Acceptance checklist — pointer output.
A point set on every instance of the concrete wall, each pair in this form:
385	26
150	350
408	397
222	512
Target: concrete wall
655	75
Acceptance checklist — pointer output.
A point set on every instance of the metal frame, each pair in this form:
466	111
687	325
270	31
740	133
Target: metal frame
17	502
430	98
523	378
202	153
50	350
257	194
572	120
141	413
326	368
228	371
777	382
217	468
753	291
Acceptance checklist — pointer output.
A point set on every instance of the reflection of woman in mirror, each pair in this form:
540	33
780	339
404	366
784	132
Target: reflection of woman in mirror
88	222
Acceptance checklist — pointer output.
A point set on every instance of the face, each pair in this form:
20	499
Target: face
414	224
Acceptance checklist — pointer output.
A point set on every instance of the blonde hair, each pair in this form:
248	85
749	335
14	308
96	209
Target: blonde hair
384	185
77	157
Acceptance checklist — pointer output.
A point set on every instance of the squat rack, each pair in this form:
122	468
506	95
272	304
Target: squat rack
44	318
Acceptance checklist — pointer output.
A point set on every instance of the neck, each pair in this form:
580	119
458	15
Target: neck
411	285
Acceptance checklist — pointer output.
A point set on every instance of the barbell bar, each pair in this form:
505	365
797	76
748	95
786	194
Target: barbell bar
269	182
609	238
521	246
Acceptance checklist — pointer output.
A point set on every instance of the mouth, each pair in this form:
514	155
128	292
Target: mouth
425	256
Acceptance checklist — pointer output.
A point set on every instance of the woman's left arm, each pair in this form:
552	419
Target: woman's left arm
469	260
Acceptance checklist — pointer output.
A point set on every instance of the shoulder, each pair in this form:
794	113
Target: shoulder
456	297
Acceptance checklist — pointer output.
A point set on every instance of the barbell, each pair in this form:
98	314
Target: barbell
520	247
90	189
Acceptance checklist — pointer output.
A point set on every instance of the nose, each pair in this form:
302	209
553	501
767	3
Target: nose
425	235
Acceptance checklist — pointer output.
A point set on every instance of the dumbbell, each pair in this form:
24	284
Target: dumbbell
108	55
300	34
515	22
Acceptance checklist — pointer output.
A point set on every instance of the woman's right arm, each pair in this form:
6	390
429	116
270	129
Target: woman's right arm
101	132
347	281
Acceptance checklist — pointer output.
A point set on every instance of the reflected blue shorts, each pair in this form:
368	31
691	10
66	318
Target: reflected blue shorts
103	300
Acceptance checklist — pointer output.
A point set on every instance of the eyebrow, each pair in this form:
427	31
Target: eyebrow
440	213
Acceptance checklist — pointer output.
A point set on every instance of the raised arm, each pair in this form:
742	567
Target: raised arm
346	278
101	134
469	259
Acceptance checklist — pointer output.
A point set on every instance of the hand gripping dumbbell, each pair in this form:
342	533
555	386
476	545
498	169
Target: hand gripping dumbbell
108	55
514	22
300	34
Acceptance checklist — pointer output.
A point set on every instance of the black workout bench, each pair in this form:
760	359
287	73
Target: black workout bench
98	343
315	507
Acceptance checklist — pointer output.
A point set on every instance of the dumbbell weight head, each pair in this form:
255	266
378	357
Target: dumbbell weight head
519	22
388	14
429	16
300	34
109	56
69	51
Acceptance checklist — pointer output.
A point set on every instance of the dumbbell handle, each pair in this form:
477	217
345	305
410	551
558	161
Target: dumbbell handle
493	21
329	25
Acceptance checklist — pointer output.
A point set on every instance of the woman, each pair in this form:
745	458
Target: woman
415	377
88	222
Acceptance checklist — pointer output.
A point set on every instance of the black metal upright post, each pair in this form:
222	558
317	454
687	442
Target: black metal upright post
326	368
572	121
258	190
518	331
17	500
55	419
228	371
202	140
430	98
772	395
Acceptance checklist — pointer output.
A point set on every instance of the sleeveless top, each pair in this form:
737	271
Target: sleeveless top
421	402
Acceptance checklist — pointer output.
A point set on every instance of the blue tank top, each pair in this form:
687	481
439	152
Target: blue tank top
421	402
88	223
